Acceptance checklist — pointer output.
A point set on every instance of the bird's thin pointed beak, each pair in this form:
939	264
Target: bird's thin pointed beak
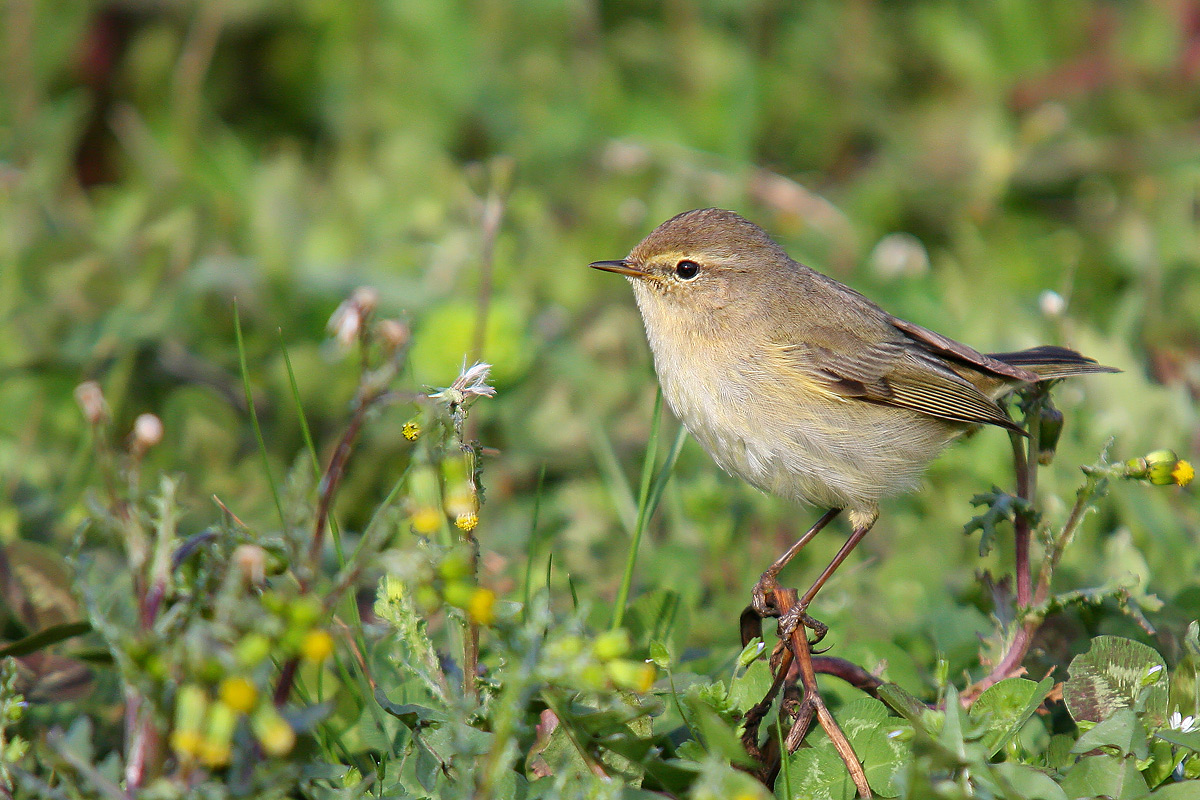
622	267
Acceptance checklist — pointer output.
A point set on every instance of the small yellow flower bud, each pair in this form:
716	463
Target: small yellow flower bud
482	607
191	706
273	732
1050	427
1161	468
466	521
317	646
636	675
611	644
252	650
186	744
411	430
216	748
239	694
1183	473
458	594
456	566
426	520
304	611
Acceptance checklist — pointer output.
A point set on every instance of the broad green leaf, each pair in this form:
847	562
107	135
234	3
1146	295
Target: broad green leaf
751	686
1005	707
1164	757
1029	783
1116	673
817	774
1185	790
880	741
718	736
1185	686
1123	731
1190	740
1105	776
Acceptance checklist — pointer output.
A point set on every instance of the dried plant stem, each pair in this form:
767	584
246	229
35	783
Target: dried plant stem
799	649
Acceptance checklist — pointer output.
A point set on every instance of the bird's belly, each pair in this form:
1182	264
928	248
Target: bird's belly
830	453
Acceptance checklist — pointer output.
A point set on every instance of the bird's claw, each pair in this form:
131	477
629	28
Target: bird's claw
762	596
797	617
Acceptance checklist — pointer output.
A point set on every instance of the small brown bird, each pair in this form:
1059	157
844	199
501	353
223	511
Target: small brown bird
802	386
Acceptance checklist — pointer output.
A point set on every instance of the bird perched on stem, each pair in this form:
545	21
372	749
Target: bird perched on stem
802	386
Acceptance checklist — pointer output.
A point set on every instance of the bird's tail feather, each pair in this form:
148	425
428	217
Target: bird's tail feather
1049	362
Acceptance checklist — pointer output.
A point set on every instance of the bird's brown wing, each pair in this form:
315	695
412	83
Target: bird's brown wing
893	372
957	351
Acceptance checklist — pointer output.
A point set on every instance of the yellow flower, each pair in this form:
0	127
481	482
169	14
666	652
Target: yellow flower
411	430
273	732
186	744
467	521
216	748
1183	473
239	694
636	675
482	607
317	646
426	520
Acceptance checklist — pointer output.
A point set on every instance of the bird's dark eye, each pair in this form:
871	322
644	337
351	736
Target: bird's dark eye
686	270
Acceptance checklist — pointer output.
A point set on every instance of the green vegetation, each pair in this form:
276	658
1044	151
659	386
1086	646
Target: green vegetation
281	583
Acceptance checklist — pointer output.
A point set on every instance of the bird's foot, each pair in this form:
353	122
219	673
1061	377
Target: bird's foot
797	617
762	596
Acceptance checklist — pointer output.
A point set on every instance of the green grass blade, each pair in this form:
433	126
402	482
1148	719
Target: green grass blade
614	479
334	530
262	446
531	546
643	513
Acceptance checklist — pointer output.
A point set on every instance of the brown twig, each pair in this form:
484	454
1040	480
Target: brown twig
798	645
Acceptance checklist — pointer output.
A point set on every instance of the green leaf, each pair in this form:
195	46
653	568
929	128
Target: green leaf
413	716
1105	776
659	654
1001	507
1189	740
718	736
1164	757
1122	731
1029	783
44	638
819	773
1005	707
1185	790
880	741
1116	673
751	686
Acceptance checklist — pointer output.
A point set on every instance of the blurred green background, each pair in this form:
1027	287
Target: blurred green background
955	161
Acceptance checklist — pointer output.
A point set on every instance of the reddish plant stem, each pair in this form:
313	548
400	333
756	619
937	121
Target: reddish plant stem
1026	454
1021	532
329	484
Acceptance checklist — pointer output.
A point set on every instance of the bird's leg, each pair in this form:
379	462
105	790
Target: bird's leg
762	597
797	615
